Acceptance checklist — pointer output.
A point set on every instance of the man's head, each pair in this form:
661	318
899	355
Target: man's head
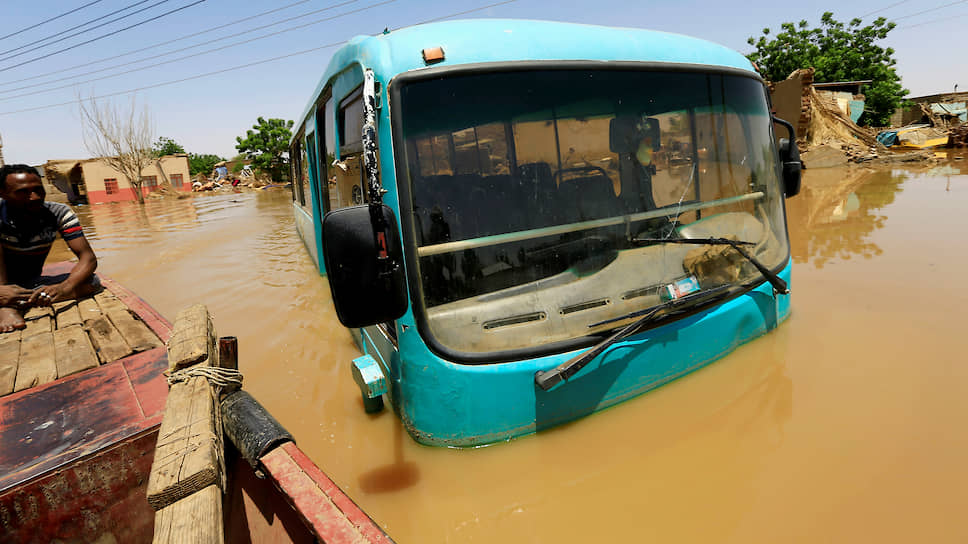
21	187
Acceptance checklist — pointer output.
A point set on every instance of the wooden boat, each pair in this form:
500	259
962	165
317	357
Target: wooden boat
80	415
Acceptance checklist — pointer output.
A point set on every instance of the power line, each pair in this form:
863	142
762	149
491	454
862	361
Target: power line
102	36
883	9
932	9
75	27
22	30
195	55
166	42
241	66
465	12
194	46
938	20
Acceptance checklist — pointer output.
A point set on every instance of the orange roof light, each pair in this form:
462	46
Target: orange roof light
433	55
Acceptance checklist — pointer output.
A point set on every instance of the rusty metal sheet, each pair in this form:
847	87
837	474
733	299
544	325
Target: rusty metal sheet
57	423
259	512
330	513
100	498
145	374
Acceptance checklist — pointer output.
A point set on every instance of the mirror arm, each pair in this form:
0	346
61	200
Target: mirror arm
790	159
372	168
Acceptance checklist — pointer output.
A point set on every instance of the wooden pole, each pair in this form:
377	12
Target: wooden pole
187	477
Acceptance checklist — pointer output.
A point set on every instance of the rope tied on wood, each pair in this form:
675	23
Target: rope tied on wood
217	377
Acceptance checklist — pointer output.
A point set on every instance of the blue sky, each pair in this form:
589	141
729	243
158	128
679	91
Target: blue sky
205	114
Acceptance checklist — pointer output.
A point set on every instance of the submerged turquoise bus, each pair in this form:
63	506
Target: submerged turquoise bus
524	222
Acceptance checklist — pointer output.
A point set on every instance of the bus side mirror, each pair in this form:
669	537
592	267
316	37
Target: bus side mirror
790	160
365	267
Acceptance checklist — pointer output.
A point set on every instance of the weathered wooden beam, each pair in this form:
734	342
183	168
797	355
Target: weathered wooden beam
9	360
196	519
36	365
137	335
88	309
108	342
187	457
108	302
73	351
67	315
192	338
38	325
37	312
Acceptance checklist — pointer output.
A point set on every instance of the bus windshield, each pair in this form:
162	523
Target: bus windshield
530	191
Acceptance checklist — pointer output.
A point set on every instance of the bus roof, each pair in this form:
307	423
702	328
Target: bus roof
475	41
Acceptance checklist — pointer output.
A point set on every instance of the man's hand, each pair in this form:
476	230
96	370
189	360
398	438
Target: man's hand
45	295
14	295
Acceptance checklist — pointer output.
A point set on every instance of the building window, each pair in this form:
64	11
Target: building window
111	186
151	182
176	181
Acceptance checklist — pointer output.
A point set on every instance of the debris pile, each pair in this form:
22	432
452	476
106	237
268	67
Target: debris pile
958	136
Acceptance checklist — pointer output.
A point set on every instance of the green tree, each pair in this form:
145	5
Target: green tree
166	146
202	164
267	146
837	52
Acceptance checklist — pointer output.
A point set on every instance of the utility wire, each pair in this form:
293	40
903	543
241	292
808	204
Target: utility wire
464	12
192	35
195	46
195	55
75	27
878	10
241	66
941	19
102	36
932	9
45	21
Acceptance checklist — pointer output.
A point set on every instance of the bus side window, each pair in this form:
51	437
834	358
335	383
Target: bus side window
304	196
310	165
348	173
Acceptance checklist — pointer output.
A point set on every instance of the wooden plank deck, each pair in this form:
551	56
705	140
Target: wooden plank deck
71	337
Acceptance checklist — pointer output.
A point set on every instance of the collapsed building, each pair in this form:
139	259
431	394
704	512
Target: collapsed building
89	181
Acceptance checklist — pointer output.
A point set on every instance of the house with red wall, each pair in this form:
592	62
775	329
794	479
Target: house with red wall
93	181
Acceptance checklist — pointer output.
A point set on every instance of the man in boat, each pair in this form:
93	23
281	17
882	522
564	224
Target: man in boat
28	227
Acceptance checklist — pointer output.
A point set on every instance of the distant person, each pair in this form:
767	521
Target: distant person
28	227
221	172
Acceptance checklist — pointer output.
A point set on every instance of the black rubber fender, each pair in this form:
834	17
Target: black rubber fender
250	427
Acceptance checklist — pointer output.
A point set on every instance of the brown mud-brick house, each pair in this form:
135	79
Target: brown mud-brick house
93	181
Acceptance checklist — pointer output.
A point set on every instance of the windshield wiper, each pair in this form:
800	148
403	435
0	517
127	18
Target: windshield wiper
546	379
776	281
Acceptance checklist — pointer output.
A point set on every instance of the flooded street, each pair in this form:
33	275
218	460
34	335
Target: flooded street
845	424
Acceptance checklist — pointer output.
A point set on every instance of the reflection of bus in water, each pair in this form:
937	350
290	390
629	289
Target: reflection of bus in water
524	222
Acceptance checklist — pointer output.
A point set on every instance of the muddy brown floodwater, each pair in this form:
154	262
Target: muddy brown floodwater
846	424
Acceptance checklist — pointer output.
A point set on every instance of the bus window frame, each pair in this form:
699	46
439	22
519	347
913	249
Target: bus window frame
323	123
295	155
352	98
311	167
405	197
